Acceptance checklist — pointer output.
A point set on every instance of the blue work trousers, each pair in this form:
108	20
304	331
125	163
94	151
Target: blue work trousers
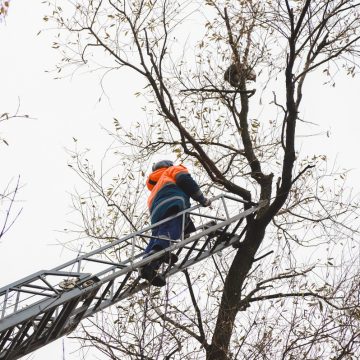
170	229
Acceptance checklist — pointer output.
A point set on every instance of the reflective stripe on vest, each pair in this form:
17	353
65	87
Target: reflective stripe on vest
168	200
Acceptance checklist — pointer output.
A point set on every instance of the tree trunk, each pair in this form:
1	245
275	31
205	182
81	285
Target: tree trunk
229	307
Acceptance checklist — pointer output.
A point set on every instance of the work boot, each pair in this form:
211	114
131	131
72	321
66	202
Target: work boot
166	258
159	281
152	276
169	258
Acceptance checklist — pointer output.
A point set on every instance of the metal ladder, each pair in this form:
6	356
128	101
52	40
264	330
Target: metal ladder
44	306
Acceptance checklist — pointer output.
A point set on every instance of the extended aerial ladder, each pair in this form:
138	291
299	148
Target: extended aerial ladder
44	306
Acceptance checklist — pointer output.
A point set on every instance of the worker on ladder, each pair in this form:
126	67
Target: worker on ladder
171	187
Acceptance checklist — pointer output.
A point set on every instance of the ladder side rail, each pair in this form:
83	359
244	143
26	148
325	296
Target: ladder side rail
231	197
43	306
134	265
100	251
176	245
119	241
47	304
32	286
139	232
67	298
111	263
24	280
154	256
55	294
23	288
32	292
38	276
175	269
57	270
191	239
206	216
87	257
179	245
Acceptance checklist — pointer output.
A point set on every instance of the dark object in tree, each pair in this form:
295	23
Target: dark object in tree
233	77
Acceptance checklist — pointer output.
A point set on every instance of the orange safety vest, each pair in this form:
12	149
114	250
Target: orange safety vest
162	177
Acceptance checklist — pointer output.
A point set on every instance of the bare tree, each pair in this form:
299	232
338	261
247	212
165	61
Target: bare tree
6	116
4	7
8	214
303	300
9	211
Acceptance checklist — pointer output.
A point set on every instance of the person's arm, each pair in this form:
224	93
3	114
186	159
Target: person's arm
190	187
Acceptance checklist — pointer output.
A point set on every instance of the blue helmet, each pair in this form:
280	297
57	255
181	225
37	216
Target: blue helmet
162	164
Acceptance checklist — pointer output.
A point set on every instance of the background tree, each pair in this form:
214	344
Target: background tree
9	210
10	191
303	300
4	7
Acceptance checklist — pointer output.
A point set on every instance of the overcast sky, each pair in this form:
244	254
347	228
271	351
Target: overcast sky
69	108
61	110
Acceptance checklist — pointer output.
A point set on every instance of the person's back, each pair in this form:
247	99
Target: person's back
171	188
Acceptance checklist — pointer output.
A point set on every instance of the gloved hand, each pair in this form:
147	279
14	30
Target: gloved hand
206	202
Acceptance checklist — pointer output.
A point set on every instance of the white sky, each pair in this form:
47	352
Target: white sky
69	108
